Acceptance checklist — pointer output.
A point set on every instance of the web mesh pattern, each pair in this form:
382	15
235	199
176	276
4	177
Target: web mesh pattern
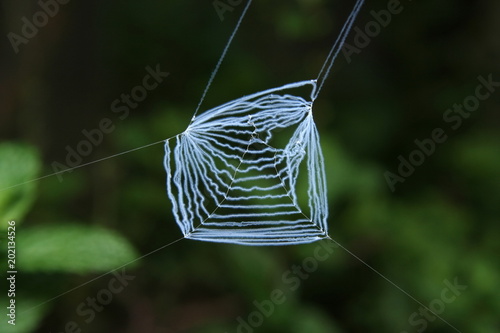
235	172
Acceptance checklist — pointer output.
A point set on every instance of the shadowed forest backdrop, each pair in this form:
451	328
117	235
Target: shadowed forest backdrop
434	231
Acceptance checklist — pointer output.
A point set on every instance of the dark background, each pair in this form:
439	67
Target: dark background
440	224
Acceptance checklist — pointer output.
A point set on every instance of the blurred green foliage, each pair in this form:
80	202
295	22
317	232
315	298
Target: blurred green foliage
442	223
65	247
19	165
72	248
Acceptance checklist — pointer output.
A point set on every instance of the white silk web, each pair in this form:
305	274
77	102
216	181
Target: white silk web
234	185
237	172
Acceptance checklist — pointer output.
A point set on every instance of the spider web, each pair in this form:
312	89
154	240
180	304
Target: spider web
235	182
243	169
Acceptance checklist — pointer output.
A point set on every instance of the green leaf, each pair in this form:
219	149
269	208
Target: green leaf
72	248
18	164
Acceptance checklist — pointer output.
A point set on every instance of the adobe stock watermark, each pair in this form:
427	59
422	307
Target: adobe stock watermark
223	6
30	27
420	319
88	308
363	37
453	117
291	279
120	106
